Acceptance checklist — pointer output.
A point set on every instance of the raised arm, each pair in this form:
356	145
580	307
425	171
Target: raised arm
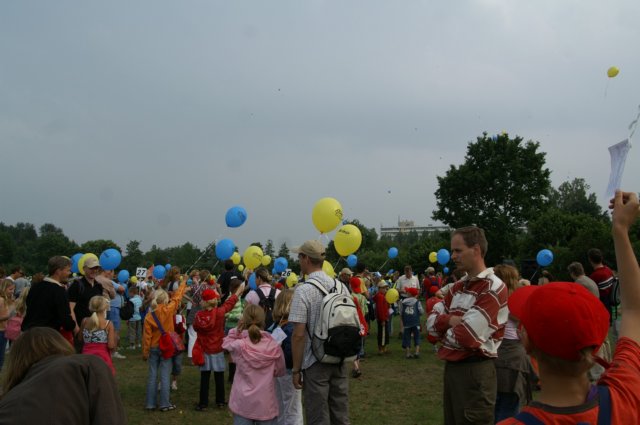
626	210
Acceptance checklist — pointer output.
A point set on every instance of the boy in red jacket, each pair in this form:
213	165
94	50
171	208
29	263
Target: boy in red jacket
382	315
209	325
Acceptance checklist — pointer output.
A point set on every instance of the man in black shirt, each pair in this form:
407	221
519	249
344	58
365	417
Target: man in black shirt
47	302
225	278
82	290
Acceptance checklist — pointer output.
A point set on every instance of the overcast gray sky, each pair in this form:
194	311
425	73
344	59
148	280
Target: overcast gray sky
148	120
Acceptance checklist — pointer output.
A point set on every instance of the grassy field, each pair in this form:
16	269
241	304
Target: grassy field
391	390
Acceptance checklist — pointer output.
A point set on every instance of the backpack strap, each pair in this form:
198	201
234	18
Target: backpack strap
153	314
272	294
318	285
260	294
528	419
604	408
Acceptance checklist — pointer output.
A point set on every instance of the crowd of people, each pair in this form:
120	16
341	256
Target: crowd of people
500	337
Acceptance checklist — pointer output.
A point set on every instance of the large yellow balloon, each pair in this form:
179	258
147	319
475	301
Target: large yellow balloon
236	258
612	72
347	240
266	260
83	259
433	257
252	257
328	269
392	295
326	215
292	280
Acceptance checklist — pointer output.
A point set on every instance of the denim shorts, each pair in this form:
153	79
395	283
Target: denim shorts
406	337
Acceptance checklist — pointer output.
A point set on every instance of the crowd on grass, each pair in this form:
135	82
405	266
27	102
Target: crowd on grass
272	340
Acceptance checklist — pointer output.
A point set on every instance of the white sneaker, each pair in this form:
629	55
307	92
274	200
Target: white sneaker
174	386
119	356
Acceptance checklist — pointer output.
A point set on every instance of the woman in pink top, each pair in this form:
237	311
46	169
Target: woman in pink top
259	360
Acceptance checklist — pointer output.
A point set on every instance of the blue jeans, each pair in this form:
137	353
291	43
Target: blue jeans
3	347
114	316
240	420
162	367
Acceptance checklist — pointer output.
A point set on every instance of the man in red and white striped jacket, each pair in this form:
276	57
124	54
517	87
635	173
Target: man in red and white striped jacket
470	324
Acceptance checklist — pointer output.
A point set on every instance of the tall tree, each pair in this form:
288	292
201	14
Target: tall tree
499	187
284	251
573	197
133	257
268	249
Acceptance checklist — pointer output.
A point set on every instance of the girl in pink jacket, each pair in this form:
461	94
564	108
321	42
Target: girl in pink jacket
259	359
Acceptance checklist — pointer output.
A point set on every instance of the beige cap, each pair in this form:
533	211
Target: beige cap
312	249
347	271
90	263
383	284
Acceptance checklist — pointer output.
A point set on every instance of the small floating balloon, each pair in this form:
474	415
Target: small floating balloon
240	268
446	270
159	271
236	258
123	276
347	240
544	257
225	249
613	72
393	252
280	264
110	259
236	216
433	257
266	260
443	256
292	280
167	266
392	295
352	260
326	214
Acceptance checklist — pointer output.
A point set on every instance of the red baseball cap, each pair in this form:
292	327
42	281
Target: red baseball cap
209	294
412	291
355	283
561	318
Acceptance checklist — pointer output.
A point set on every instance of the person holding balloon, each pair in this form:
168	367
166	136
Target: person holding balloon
383	318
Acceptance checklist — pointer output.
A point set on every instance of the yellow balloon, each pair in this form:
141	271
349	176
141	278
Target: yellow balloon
326	215
252	257
347	240
266	260
433	257
392	295
612	72
328	269
133	279
240	268
83	259
236	258
292	280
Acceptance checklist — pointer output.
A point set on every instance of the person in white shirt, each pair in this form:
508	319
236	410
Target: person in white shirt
407	280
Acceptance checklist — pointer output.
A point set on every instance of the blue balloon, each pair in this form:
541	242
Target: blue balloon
225	249
236	216
252	282
168	267
443	256
280	264
446	270
123	276
189	282
544	257
352	260
390	271
159	272
393	252
74	262
110	259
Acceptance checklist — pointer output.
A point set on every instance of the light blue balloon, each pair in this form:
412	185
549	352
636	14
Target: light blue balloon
352	260
74	262
225	249
110	259
280	264
123	276
189	282
236	216
446	270
159	272
544	257
168	267
252	282
393	252
443	256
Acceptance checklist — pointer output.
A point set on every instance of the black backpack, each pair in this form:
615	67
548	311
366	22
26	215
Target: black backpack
126	311
267	304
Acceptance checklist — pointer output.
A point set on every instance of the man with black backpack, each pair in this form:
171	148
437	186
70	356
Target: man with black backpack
320	370
264	295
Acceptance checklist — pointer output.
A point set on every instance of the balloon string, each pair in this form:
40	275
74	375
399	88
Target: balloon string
337	262
383	264
634	124
205	252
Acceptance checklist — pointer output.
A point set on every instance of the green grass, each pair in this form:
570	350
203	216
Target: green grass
391	390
